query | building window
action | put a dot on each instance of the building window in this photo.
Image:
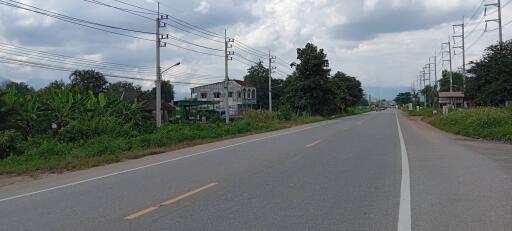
(216, 95)
(254, 94)
(239, 94)
(245, 95)
(204, 95)
(230, 94)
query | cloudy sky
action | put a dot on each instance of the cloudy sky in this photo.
(385, 43)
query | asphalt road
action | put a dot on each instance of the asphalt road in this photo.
(347, 174)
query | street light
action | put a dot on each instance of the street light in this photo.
(177, 64)
(159, 95)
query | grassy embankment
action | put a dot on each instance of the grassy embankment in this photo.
(493, 124)
(54, 155)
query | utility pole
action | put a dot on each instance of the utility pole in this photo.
(498, 20)
(227, 57)
(158, 82)
(271, 59)
(463, 48)
(449, 60)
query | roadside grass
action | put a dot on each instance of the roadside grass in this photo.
(493, 124)
(48, 155)
(484, 123)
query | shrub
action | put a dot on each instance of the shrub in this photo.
(260, 117)
(9, 141)
(78, 131)
(486, 123)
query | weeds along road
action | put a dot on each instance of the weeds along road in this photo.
(354, 173)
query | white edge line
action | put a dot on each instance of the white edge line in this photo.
(158, 163)
(404, 213)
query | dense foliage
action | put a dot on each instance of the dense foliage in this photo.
(404, 98)
(457, 82)
(258, 76)
(89, 121)
(490, 79)
(485, 123)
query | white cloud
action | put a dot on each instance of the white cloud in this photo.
(397, 47)
(204, 7)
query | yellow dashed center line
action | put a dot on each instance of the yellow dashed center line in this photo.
(170, 202)
(313, 144)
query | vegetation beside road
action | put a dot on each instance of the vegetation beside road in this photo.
(88, 121)
(493, 124)
(56, 155)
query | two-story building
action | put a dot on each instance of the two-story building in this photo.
(241, 96)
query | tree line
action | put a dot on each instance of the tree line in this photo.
(310, 89)
(488, 80)
(89, 106)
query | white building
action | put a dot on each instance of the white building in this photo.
(241, 96)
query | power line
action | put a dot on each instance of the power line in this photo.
(65, 17)
(78, 63)
(75, 58)
(132, 12)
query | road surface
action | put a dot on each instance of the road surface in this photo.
(377, 171)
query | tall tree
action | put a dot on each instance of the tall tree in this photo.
(457, 78)
(403, 98)
(307, 89)
(20, 88)
(88, 80)
(490, 79)
(123, 85)
(258, 76)
(347, 90)
(167, 92)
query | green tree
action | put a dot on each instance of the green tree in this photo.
(167, 92)
(457, 78)
(490, 79)
(123, 85)
(347, 90)
(84, 81)
(403, 98)
(20, 88)
(307, 89)
(258, 76)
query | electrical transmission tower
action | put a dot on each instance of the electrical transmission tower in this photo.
(435, 68)
(271, 59)
(228, 43)
(449, 52)
(462, 47)
(498, 20)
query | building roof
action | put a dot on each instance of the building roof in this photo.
(239, 82)
(456, 94)
(244, 83)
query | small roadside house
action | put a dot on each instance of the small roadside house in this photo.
(455, 99)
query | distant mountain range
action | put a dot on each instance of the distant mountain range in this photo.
(387, 93)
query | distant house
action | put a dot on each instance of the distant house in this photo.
(455, 99)
(241, 96)
(131, 95)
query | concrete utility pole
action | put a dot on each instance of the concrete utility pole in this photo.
(463, 48)
(449, 60)
(158, 82)
(498, 20)
(271, 59)
(227, 57)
